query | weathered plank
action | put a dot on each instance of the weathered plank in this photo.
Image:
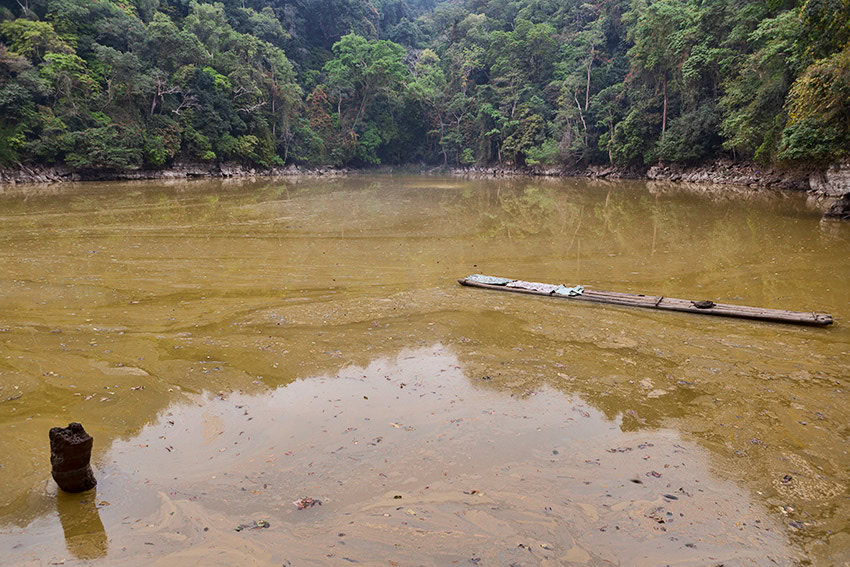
(673, 304)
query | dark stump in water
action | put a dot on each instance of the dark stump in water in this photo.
(70, 456)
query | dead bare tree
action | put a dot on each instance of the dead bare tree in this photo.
(252, 107)
(162, 88)
(186, 101)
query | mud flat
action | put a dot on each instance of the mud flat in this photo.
(411, 462)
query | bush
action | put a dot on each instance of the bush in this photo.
(111, 147)
(819, 111)
(635, 136)
(692, 136)
(367, 146)
(811, 140)
(546, 153)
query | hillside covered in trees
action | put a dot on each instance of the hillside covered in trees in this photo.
(144, 83)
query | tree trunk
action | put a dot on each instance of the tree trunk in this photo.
(583, 123)
(156, 95)
(587, 90)
(359, 112)
(664, 115)
(443, 147)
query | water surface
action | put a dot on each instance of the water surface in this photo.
(122, 304)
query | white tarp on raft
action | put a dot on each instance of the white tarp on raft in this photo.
(533, 286)
(489, 280)
(547, 288)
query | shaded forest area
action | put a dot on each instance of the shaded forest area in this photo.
(115, 84)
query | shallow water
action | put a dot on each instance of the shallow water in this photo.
(130, 306)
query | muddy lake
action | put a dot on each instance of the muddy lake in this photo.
(238, 347)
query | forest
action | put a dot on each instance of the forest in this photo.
(122, 84)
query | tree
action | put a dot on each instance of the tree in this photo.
(754, 98)
(361, 72)
(819, 112)
(20, 87)
(111, 83)
(659, 42)
(428, 88)
(33, 39)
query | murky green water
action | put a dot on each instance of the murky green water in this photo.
(122, 303)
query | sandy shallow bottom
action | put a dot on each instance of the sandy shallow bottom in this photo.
(414, 463)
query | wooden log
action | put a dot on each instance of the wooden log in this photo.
(70, 458)
(672, 304)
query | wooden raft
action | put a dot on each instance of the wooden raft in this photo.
(672, 304)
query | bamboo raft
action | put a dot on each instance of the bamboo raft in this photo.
(655, 302)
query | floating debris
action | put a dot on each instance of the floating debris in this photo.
(306, 502)
(258, 525)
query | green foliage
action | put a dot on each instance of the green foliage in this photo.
(367, 146)
(658, 33)
(220, 82)
(826, 24)
(693, 136)
(527, 133)
(32, 39)
(635, 135)
(155, 152)
(110, 146)
(813, 140)
(547, 153)
(753, 102)
(819, 111)
(366, 79)
(117, 84)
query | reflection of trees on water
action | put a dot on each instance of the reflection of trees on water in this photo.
(512, 209)
(526, 213)
(672, 240)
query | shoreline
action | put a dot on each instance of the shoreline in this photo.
(39, 174)
(829, 182)
(830, 185)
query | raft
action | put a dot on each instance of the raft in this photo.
(649, 301)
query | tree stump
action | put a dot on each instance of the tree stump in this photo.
(70, 456)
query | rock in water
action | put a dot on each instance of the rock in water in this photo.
(70, 456)
(840, 209)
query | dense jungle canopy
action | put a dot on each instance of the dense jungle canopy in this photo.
(144, 83)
